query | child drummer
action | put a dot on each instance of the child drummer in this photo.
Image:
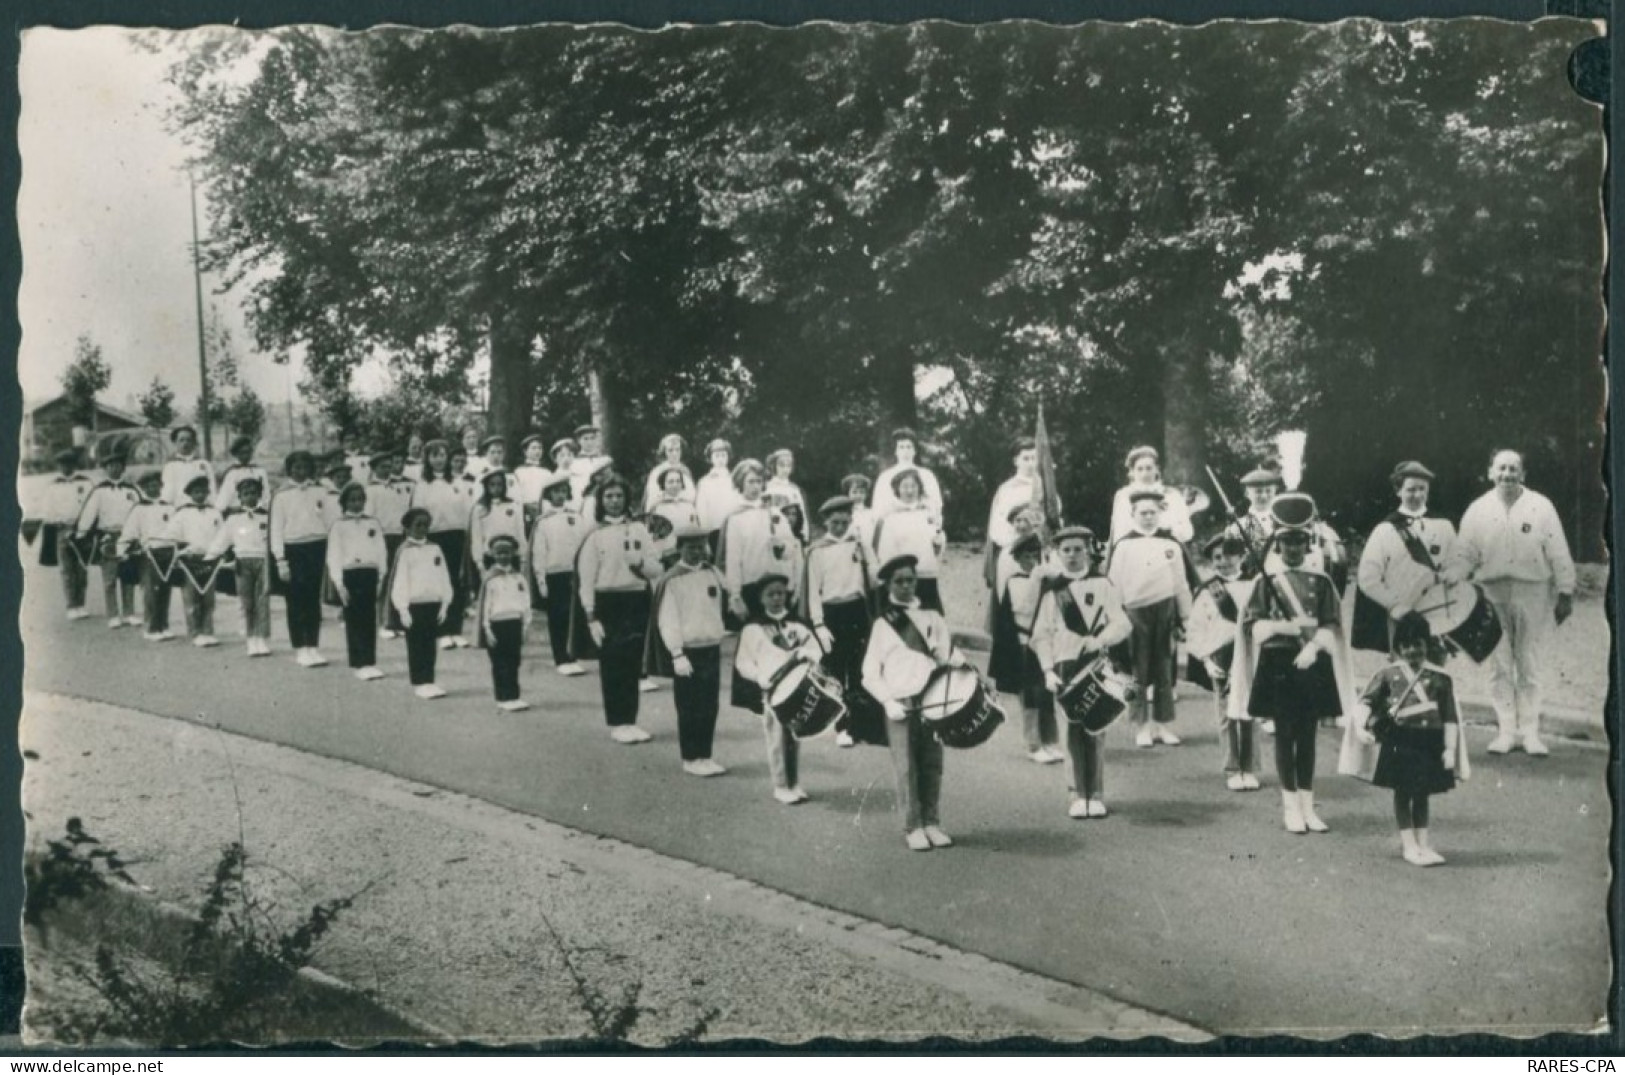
(836, 595)
(146, 535)
(771, 641)
(686, 644)
(192, 528)
(245, 534)
(1079, 618)
(1011, 665)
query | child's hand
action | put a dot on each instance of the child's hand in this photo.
(541, 589)
(1053, 682)
(1449, 760)
(1306, 658)
(406, 619)
(682, 666)
(596, 629)
(344, 596)
(440, 617)
(895, 711)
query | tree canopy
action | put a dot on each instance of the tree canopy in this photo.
(1387, 234)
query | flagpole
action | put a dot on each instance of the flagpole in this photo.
(202, 353)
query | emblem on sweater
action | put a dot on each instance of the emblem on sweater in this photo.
(1526, 528)
(711, 591)
(1168, 553)
(371, 532)
(437, 561)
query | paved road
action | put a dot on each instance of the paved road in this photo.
(1190, 900)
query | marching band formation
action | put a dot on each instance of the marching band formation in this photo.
(845, 631)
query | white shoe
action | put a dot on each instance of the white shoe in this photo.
(917, 840)
(514, 705)
(1292, 812)
(114, 623)
(937, 837)
(133, 621)
(316, 658)
(1249, 781)
(788, 797)
(1306, 807)
(1166, 735)
(648, 686)
(801, 796)
(1097, 808)
(571, 669)
(385, 633)
(844, 739)
(1039, 756)
(166, 635)
(1079, 808)
(1236, 782)
(1145, 738)
(369, 673)
(200, 641)
(460, 642)
(1267, 727)
(430, 691)
(714, 768)
(1503, 743)
(206, 641)
(1534, 747)
(445, 642)
(696, 768)
(301, 657)
(77, 613)
(154, 636)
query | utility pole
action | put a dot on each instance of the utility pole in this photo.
(202, 354)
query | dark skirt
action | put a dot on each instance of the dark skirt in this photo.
(1412, 760)
(744, 693)
(1282, 691)
(1006, 659)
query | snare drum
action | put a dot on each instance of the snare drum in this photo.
(1461, 613)
(806, 700)
(959, 709)
(1097, 696)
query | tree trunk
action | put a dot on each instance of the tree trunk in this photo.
(513, 384)
(895, 387)
(603, 408)
(1185, 393)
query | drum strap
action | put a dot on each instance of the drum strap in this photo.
(1289, 594)
(1222, 599)
(899, 621)
(1413, 542)
(1072, 615)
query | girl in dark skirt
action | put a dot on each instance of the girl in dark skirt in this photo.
(1292, 618)
(1414, 717)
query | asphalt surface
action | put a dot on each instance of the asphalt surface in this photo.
(1189, 900)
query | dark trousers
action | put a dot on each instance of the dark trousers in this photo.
(697, 697)
(1295, 752)
(453, 545)
(420, 642)
(1153, 642)
(154, 590)
(361, 616)
(306, 568)
(561, 588)
(72, 565)
(848, 623)
(388, 617)
(507, 638)
(625, 618)
(1088, 762)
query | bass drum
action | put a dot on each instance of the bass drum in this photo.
(1461, 613)
(959, 709)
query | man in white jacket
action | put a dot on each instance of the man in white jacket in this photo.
(1512, 544)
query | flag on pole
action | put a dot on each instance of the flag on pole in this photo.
(1045, 496)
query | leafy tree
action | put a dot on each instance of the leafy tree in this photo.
(86, 376)
(158, 404)
(245, 413)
